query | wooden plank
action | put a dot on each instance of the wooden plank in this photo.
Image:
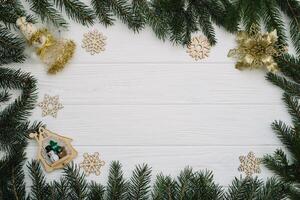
(133, 84)
(167, 124)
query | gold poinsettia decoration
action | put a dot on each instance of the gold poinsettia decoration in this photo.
(257, 50)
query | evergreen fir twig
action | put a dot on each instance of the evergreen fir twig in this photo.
(283, 83)
(78, 186)
(250, 12)
(12, 181)
(273, 20)
(165, 187)
(11, 47)
(139, 186)
(290, 66)
(97, 191)
(292, 9)
(116, 185)
(11, 11)
(123, 10)
(46, 11)
(4, 96)
(103, 12)
(40, 190)
(77, 11)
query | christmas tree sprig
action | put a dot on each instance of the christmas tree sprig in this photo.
(286, 165)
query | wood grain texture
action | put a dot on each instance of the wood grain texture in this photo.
(143, 100)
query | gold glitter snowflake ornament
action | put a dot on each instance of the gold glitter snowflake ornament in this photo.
(92, 163)
(93, 42)
(249, 164)
(199, 48)
(50, 105)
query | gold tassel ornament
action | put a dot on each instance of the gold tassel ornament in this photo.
(257, 50)
(55, 53)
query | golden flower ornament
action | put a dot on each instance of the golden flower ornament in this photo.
(257, 50)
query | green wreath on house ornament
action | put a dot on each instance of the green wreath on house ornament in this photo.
(176, 21)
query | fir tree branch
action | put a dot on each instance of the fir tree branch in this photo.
(140, 10)
(46, 11)
(250, 12)
(241, 189)
(232, 17)
(273, 20)
(11, 11)
(97, 191)
(139, 187)
(77, 11)
(11, 47)
(289, 137)
(289, 66)
(206, 26)
(292, 9)
(4, 96)
(157, 19)
(77, 182)
(293, 108)
(116, 185)
(184, 183)
(103, 12)
(164, 188)
(273, 189)
(12, 185)
(40, 190)
(288, 86)
(279, 164)
(22, 106)
(124, 12)
(60, 189)
(203, 186)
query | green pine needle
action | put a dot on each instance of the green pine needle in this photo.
(97, 191)
(78, 186)
(77, 11)
(139, 186)
(116, 185)
(40, 190)
(11, 47)
(273, 20)
(46, 11)
(103, 12)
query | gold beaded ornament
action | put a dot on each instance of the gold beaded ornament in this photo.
(199, 47)
(249, 164)
(92, 164)
(94, 42)
(50, 105)
(55, 53)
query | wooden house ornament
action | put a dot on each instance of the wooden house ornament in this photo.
(54, 151)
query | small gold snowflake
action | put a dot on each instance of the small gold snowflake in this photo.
(50, 105)
(199, 47)
(93, 42)
(249, 164)
(92, 163)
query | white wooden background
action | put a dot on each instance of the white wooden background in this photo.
(145, 101)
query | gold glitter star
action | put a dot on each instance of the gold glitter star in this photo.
(92, 163)
(249, 164)
(50, 105)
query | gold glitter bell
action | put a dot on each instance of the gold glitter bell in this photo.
(55, 53)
